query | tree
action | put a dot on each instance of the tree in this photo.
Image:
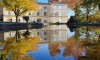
(73, 48)
(95, 17)
(70, 3)
(88, 10)
(20, 7)
(93, 53)
(96, 3)
(54, 49)
(18, 50)
(77, 10)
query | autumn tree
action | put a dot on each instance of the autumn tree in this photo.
(70, 3)
(54, 49)
(73, 48)
(18, 50)
(93, 53)
(20, 7)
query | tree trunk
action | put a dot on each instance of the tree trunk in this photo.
(99, 39)
(16, 36)
(16, 18)
(87, 14)
(99, 7)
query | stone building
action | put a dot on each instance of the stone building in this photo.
(48, 12)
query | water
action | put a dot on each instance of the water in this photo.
(43, 54)
(48, 43)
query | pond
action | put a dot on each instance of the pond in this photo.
(52, 42)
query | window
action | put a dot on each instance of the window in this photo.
(39, 20)
(10, 13)
(10, 34)
(45, 7)
(60, 7)
(45, 39)
(45, 33)
(56, 32)
(45, 21)
(38, 13)
(44, 13)
(56, 14)
(38, 33)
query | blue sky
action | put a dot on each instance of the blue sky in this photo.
(43, 53)
(70, 13)
(43, 1)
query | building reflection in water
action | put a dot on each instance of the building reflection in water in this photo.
(18, 49)
(46, 34)
(56, 39)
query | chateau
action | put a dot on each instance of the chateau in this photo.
(48, 12)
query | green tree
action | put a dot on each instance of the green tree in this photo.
(93, 53)
(97, 3)
(88, 10)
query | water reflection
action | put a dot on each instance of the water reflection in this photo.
(54, 49)
(17, 50)
(50, 44)
(89, 37)
(17, 44)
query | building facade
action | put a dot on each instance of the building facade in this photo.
(48, 12)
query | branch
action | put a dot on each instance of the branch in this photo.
(20, 13)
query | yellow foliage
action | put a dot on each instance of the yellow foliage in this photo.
(93, 53)
(20, 7)
(20, 4)
(18, 56)
(1, 4)
(17, 49)
(27, 44)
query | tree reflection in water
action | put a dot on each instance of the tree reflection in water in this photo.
(71, 48)
(89, 38)
(54, 49)
(18, 50)
(85, 39)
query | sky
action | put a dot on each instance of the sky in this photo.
(43, 53)
(43, 1)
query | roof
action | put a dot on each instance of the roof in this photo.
(43, 3)
(62, 2)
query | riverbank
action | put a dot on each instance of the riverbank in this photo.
(10, 26)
